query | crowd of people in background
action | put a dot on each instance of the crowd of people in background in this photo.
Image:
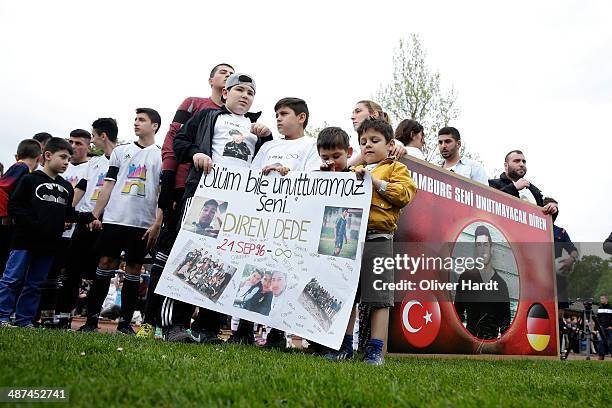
(67, 216)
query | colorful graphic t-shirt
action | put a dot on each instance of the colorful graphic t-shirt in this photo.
(298, 155)
(133, 201)
(96, 171)
(233, 143)
(72, 175)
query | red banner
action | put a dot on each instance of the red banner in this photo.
(450, 310)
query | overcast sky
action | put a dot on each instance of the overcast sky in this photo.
(530, 75)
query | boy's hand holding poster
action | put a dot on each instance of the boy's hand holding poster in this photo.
(281, 251)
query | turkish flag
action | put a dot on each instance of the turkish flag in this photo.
(421, 318)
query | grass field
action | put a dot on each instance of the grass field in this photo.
(327, 246)
(153, 373)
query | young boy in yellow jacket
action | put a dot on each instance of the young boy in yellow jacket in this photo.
(392, 190)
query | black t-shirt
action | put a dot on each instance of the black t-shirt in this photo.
(40, 206)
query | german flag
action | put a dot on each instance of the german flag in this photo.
(538, 327)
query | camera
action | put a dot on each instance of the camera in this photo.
(587, 303)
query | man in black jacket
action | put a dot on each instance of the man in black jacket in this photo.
(486, 312)
(604, 315)
(513, 182)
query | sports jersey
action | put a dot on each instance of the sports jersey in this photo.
(93, 182)
(73, 174)
(8, 182)
(136, 171)
(298, 154)
(232, 142)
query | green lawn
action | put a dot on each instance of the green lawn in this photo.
(153, 373)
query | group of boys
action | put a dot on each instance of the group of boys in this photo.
(133, 197)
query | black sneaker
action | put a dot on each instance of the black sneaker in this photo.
(65, 323)
(205, 337)
(126, 329)
(88, 328)
(241, 339)
(340, 355)
(276, 342)
(317, 349)
(177, 334)
(61, 324)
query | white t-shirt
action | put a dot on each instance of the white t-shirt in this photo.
(354, 143)
(72, 175)
(298, 155)
(527, 195)
(233, 143)
(470, 169)
(133, 201)
(414, 152)
(75, 173)
(96, 171)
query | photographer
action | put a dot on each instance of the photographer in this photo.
(604, 315)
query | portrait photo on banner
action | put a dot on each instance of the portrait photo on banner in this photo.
(255, 290)
(205, 216)
(340, 232)
(260, 290)
(489, 312)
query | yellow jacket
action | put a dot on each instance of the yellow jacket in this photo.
(386, 207)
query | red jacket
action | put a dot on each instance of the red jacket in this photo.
(185, 111)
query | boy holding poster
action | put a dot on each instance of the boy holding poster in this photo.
(227, 136)
(393, 190)
(294, 152)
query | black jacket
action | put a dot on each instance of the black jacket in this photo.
(39, 207)
(503, 183)
(196, 137)
(486, 313)
(604, 315)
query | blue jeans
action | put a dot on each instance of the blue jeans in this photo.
(20, 285)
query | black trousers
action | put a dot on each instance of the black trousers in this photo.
(81, 263)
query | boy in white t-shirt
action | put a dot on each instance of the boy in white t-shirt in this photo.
(225, 136)
(294, 151)
(83, 259)
(131, 220)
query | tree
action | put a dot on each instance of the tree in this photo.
(314, 131)
(415, 93)
(590, 277)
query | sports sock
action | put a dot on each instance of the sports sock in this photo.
(154, 301)
(129, 298)
(97, 293)
(347, 343)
